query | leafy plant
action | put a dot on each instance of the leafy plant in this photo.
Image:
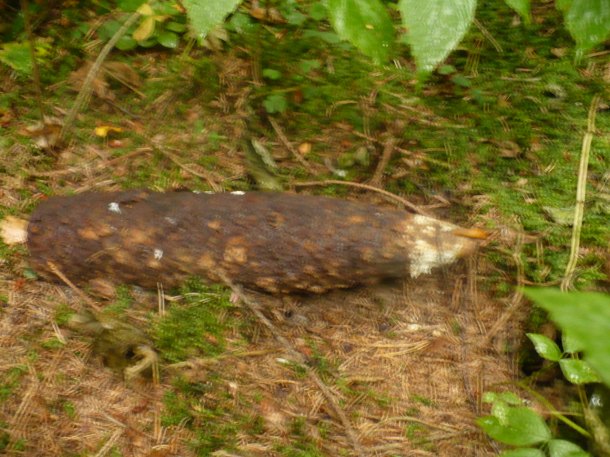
(432, 28)
(514, 424)
(584, 318)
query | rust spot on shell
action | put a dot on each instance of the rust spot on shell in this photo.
(88, 233)
(137, 237)
(207, 261)
(236, 254)
(356, 219)
(235, 250)
(215, 224)
(268, 284)
(310, 270)
(276, 220)
(310, 246)
(367, 254)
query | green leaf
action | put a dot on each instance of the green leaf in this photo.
(522, 7)
(177, 27)
(168, 39)
(318, 11)
(588, 22)
(545, 347)
(270, 73)
(275, 103)
(126, 43)
(435, 27)
(204, 15)
(586, 317)
(563, 448)
(364, 23)
(563, 5)
(570, 344)
(17, 56)
(308, 65)
(578, 371)
(521, 427)
(446, 70)
(129, 5)
(523, 452)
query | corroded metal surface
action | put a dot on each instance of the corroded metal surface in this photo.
(276, 242)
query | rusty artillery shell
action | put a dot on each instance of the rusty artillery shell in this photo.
(276, 242)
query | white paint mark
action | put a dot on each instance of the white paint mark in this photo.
(209, 192)
(425, 256)
(238, 192)
(171, 220)
(114, 207)
(196, 191)
(158, 253)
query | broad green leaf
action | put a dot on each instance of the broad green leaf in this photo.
(177, 27)
(522, 7)
(563, 5)
(570, 344)
(275, 103)
(563, 448)
(204, 15)
(588, 22)
(168, 39)
(578, 371)
(364, 23)
(522, 427)
(270, 73)
(129, 5)
(17, 56)
(317, 11)
(586, 316)
(435, 27)
(523, 452)
(545, 347)
(126, 43)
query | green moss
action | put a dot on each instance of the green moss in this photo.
(11, 381)
(196, 326)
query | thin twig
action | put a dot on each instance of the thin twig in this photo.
(284, 139)
(488, 35)
(254, 307)
(581, 190)
(391, 196)
(85, 92)
(389, 146)
(55, 269)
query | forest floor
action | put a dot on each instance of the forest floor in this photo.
(491, 141)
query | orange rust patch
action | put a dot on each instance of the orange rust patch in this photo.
(235, 250)
(207, 261)
(310, 246)
(367, 254)
(88, 233)
(137, 237)
(310, 270)
(276, 219)
(236, 254)
(356, 219)
(215, 224)
(268, 284)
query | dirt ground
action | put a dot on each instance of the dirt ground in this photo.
(407, 362)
